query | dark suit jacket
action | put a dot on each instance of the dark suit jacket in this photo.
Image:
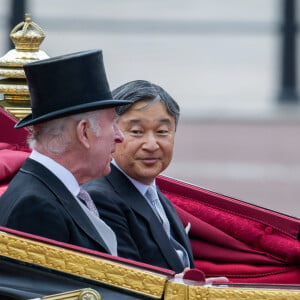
(139, 233)
(37, 202)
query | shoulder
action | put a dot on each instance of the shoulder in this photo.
(98, 186)
(27, 186)
(113, 185)
(110, 196)
(29, 202)
(27, 191)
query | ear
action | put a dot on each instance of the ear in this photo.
(82, 131)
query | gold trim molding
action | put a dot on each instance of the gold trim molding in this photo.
(84, 265)
(181, 291)
(130, 278)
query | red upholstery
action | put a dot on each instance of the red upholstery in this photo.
(10, 135)
(11, 161)
(13, 148)
(234, 239)
(3, 187)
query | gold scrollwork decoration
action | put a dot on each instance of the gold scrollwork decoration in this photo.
(83, 294)
(183, 291)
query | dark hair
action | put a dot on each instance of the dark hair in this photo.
(138, 90)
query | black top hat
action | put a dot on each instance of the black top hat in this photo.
(67, 85)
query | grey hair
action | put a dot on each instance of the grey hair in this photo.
(54, 136)
(138, 90)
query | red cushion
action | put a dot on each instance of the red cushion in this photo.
(8, 133)
(10, 162)
(3, 188)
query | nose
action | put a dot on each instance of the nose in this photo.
(150, 142)
(119, 137)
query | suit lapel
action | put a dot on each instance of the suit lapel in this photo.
(175, 223)
(137, 202)
(64, 197)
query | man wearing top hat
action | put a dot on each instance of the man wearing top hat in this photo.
(73, 134)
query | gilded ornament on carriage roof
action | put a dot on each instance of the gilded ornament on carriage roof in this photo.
(27, 37)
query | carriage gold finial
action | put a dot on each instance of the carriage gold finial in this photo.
(27, 37)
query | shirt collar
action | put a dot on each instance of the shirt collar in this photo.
(142, 188)
(64, 175)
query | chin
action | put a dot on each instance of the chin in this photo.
(154, 173)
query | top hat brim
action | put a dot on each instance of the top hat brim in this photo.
(28, 120)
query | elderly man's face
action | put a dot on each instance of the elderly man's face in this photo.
(103, 145)
(148, 143)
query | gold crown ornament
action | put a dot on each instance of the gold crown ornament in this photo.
(27, 37)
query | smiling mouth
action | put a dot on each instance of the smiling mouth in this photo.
(149, 160)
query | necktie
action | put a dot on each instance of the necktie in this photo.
(152, 196)
(102, 228)
(86, 198)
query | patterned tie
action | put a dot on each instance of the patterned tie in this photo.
(152, 196)
(86, 198)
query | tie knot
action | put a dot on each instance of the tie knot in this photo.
(151, 194)
(84, 195)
